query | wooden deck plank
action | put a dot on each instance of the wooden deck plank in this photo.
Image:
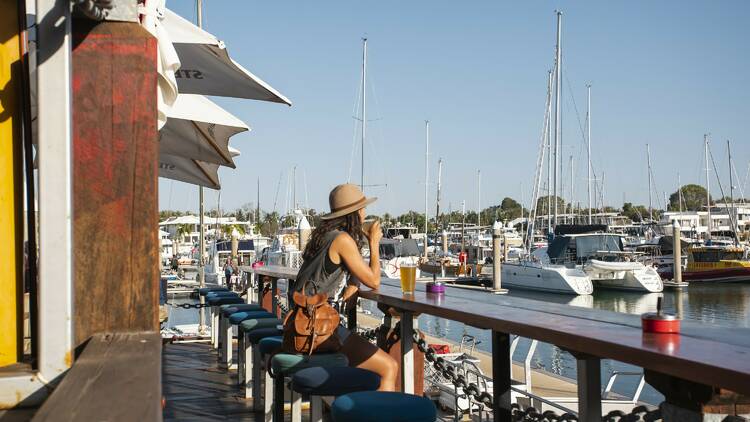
(196, 389)
(117, 377)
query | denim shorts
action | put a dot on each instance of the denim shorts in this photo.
(342, 333)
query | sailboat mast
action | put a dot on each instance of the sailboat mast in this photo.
(588, 146)
(650, 209)
(572, 188)
(364, 113)
(732, 214)
(479, 197)
(708, 186)
(549, 152)
(679, 193)
(439, 186)
(558, 72)
(426, 179)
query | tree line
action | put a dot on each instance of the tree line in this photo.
(691, 198)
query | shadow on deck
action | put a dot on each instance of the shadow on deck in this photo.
(196, 388)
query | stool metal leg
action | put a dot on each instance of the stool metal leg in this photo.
(240, 357)
(316, 409)
(214, 328)
(227, 342)
(267, 397)
(278, 398)
(249, 364)
(220, 341)
(296, 406)
(256, 373)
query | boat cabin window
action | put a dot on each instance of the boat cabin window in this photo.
(715, 255)
(587, 246)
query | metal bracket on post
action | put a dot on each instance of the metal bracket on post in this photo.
(407, 352)
(589, 388)
(501, 375)
(274, 299)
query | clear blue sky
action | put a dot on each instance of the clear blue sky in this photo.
(663, 73)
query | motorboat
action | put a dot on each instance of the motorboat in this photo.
(538, 272)
(602, 258)
(717, 263)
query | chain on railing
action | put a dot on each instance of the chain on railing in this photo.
(448, 371)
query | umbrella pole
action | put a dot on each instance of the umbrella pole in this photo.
(201, 269)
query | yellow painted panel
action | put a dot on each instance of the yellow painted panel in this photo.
(10, 187)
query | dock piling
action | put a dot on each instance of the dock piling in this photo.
(497, 237)
(676, 252)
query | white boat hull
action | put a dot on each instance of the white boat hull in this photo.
(641, 278)
(546, 278)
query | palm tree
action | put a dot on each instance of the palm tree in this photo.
(179, 235)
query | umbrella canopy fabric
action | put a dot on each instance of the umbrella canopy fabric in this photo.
(206, 67)
(191, 171)
(199, 129)
(167, 63)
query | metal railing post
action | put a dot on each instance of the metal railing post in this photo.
(589, 388)
(274, 299)
(501, 375)
(407, 352)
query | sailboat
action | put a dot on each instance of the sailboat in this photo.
(537, 271)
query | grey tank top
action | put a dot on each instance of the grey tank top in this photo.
(314, 272)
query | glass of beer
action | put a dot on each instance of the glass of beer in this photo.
(408, 278)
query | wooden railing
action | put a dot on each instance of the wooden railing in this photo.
(117, 377)
(709, 356)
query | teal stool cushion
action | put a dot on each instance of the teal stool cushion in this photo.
(377, 406)
(238, 317)
(249, 325)
(205, 290)
(334, 381)
(221, 294)
(287, 364)
(227, 310)
(256, 336)
(268, 345)
(218, 300)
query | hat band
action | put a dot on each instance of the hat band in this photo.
(353, 204)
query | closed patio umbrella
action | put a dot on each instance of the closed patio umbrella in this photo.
(199, 129)
(191, 171)
(206, 67)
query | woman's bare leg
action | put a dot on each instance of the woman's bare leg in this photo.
(363, 354)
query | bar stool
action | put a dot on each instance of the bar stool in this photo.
(377, 406)
(284, 365)
(254, 362)
(226, 329)
(215, 300)
(319, 382)
(248, 363)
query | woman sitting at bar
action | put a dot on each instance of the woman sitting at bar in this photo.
(334, 251)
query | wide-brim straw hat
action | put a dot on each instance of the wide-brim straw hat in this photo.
(345, 199)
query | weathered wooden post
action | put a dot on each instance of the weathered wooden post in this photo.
(497, 267)
(235, 244)
(303, 233)
(676, 252)
(115, 198)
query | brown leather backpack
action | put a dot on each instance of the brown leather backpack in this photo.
(311, 325)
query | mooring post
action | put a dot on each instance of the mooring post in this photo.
(497, 267)
(676, 252)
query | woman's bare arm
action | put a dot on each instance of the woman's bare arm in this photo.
(345, 250)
